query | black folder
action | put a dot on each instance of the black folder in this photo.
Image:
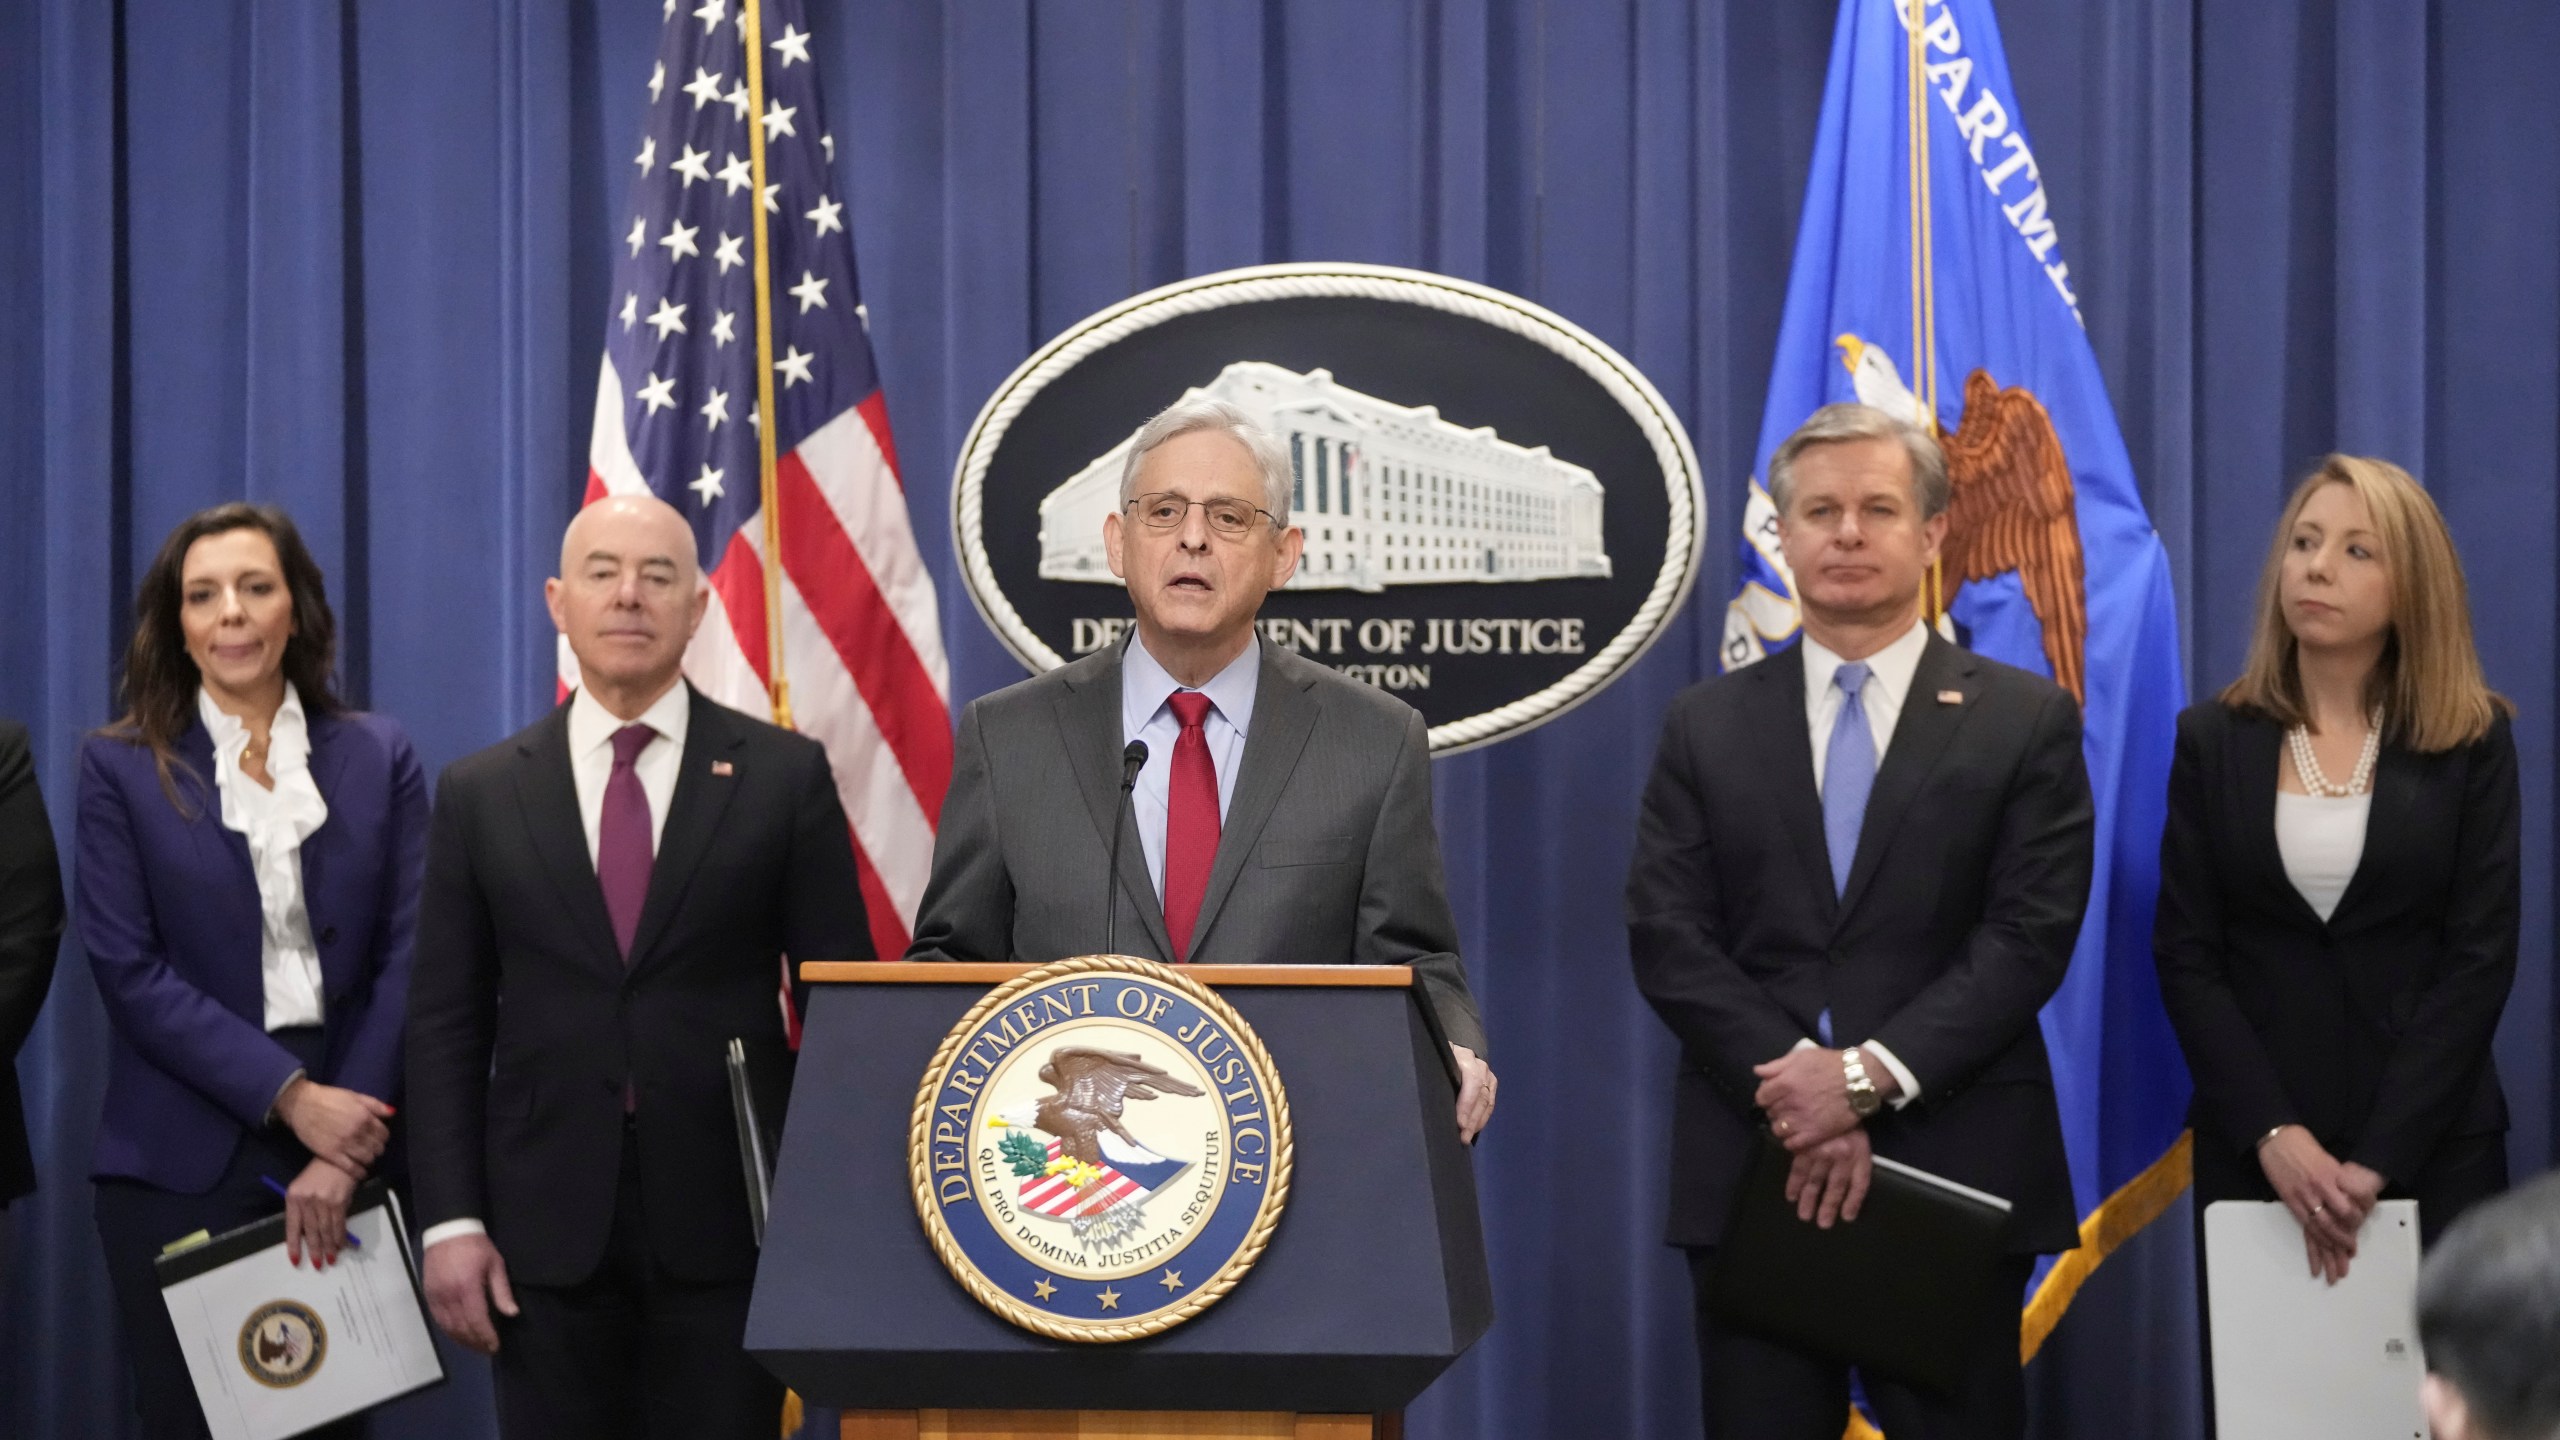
(1878, 1291)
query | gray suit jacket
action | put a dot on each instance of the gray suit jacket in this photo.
(1327, 855)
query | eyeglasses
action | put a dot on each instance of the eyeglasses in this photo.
(1165, 510)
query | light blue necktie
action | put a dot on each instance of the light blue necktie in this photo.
(1848, 774)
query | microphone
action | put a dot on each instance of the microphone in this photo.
(1132, 760)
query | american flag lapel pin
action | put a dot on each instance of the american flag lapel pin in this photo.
(723, 767)
(1950, 697)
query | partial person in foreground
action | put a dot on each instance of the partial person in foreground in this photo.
(2340, 881)
(247, 890)
(1282, 814)
(2489, 1320)
(610, 896)
(30, 934)
(1859, 873)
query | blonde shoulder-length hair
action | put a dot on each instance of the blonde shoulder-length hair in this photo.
(2428, 684)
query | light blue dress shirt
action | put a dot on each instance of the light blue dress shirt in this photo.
(1145, 714)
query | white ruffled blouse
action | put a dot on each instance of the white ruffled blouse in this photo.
(275, 822)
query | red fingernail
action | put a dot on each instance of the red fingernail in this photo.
(390, 1109)
(296, 1259)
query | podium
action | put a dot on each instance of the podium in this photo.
(1373, 1284)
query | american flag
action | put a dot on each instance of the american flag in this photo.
(676, 416)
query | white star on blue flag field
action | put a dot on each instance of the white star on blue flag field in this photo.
(682, 330)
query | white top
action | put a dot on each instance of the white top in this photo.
(1146, 713)
(1888, 681)
(1880, 698)
(275, 823)
(591, 728)
(2322, 840)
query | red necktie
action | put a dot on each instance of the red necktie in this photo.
(624, 853)
(1190, 822)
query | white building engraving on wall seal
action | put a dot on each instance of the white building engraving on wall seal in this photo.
(1388, 495)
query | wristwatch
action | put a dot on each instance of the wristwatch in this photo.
(1863, 1099)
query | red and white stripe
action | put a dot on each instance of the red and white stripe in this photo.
(1060, 1199)
(862, 639)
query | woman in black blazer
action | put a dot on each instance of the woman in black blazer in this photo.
(2339, 879)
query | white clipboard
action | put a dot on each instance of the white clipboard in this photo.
(277, 1349)
(2296, 1358)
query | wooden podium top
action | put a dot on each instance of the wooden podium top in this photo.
(950, 972)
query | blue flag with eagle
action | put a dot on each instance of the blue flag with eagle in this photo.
(1929, 281)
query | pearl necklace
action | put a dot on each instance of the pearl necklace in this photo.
(2307, 764)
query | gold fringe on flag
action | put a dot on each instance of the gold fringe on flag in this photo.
(2141, 1201)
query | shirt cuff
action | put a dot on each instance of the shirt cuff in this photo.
(451, 1229)
(1902, 1073)
(298, 1074)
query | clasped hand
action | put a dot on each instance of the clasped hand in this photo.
(345, 1131)
(2328, 1198)
(345, 1127)
(1806, 1097)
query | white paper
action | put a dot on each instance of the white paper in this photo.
(373, 1337)
(2296, 1358)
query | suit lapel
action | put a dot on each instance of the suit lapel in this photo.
(1785, 743)
(1088, 711)
(319, 851)
(204, 793)
(693, 817)
(547, 792)
(2391, 815)
(1284, 715)
(2258, 754)
(1920, 736)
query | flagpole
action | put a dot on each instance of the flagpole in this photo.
(777, 685)
(1924, 288)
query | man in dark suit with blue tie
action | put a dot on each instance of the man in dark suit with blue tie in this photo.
(610, 896)
(1859, 873)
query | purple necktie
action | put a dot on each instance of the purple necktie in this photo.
(624, 853)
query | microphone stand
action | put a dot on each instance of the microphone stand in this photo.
(1132, 760)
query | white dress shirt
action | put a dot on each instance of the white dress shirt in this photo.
(591, 731)
(2322, 840)
(1146, 713)
(1888, 685)
(275, 822)
(1889, 674)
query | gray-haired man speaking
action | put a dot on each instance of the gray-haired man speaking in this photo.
(1283, 812)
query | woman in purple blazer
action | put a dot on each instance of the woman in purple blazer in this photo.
(249, 853)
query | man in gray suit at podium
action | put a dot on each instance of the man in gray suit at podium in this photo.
(1281, 811)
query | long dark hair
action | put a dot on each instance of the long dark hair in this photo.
(161, 678)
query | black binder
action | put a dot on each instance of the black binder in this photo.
(1876, 1292)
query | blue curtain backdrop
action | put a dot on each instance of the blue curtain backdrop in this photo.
(352, 258)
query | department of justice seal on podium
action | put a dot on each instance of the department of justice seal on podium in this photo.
(1100, 1149)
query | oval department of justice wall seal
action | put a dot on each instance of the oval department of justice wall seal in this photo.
(282, 1344)
(1501, 513)
(1100, 1149)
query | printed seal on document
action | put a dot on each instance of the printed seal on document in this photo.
(282, 1344)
